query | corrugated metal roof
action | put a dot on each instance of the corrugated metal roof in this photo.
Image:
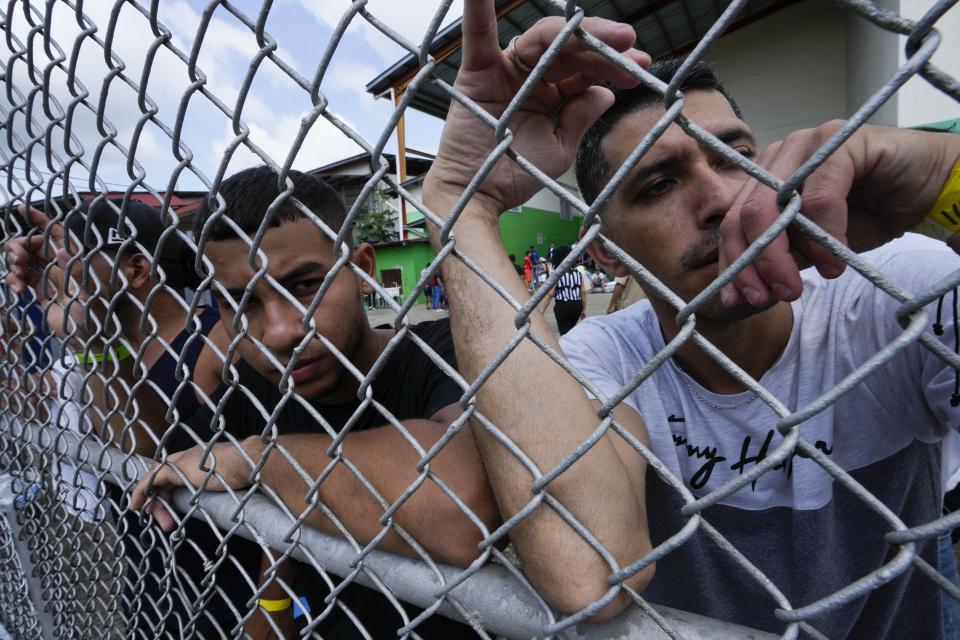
(664, 28)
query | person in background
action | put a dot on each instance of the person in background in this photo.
(568, 296)
(528, 269)
(91, 232)
(436, 291)
(597, 281)
(539, 273)
(428, 294)
(513, 261)
(534, 255)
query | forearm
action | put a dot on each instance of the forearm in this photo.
(546, 413)
(548, 299)
(388, 461)
(276, 624)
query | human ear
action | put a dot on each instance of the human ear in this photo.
(365, 257)
(136, 269)
(604, 259)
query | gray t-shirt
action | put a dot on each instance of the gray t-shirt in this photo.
(805, 532)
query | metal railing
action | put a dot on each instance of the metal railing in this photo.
(79, 562)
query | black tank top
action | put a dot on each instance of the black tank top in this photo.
(192, 558)
(163, 374)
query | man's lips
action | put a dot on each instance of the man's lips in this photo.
(708, 258)
(306, 370)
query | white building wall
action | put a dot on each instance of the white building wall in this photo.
(546, 200)
(787, 71)
(872, 58)
(919, 103)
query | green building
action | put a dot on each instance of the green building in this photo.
(403, 251)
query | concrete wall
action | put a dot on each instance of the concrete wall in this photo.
(812, 62)
(787, 71)
(547, 201)
(872, 57)
(918, 102)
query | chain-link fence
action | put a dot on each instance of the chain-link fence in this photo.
(334, 488)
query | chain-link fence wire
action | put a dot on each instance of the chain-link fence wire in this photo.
(105, 570)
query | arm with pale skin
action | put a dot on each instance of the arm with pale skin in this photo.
(532, 400)
(584, 292)
(383, 456)
(875, 187)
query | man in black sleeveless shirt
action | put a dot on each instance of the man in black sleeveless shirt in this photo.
(171, 339)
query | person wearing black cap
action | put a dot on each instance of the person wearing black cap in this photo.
(110, 269)
(92, 241)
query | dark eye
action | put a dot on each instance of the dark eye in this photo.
(250, 304)
(305, 288)
(722, 162)
(657, 188)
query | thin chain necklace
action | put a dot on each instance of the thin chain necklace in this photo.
(713, 405)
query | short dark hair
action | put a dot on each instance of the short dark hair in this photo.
(592, 167)
(559, 254)
(248, 194)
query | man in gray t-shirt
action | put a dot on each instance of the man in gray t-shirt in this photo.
(888, 426)
(685, 212)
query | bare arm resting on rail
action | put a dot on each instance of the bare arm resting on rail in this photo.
(530, 398)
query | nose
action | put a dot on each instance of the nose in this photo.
(283, 328)
(717, 193)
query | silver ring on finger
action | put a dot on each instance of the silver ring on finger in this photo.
(515, 57)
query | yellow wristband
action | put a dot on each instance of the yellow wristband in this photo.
(276, 605)
(943, 219)
(116, 355)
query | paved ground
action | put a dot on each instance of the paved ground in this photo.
(596, 305)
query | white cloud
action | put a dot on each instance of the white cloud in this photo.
(226, 40)
(323, 144)
(409, 19)
(350, 76)
(227, 50)
(273, 110)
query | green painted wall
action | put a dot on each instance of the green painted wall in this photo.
(410, 258)
(520, 230)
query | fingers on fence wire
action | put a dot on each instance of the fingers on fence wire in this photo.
(481, 47)
(72, 292)
(221, 468)
(774, 273)
(554, 112)
(851, 185)
(28, 256)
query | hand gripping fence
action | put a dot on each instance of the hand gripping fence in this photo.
(78, 562)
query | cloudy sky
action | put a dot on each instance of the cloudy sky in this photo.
(273, 110)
